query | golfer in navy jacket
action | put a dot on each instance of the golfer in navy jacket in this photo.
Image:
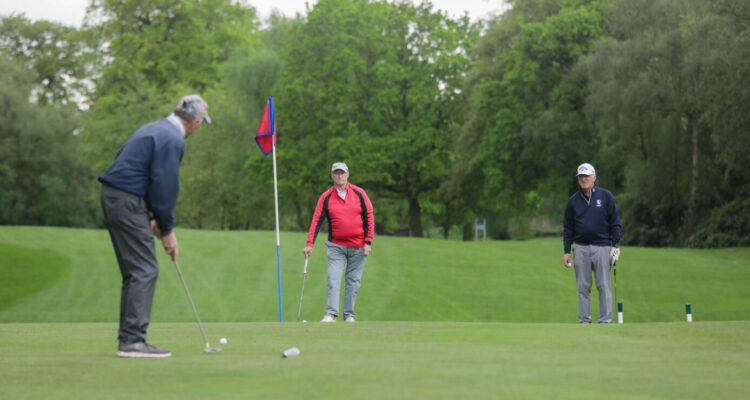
(139, 193)
(593, 224)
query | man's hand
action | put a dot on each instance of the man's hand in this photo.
(307, 251)
(155, 228)
(567, 260)
(367, 250)
(169, 241)
(614, 254)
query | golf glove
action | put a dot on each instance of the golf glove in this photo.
(614, 253)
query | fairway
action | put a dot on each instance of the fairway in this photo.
(70, 275)
(383, 360)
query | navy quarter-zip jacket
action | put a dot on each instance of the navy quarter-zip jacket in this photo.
(591, 221)
(148, 165)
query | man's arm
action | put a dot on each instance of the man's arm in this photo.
(367, 249)
(568, 233)
(568, 227)
(317, 220)
(165, 184)
(615, 227)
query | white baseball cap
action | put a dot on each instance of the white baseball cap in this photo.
(586, 169)
(339, 165)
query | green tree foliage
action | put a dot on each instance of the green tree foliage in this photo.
(227, 183)
(525, 131)
(163, 42)
(373, 84)
(155, 52)
(60, 56)
(441, 124)
(669, 96)
(40, 175)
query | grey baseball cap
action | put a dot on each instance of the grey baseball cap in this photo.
(586, 169)
(339, 165)
(195, 106)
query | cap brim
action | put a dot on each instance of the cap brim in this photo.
(207, 119)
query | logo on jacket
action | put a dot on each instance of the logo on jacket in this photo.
(598, 203)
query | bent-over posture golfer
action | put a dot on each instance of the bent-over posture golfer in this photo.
(350, 231)
(139, 193)
(593, 224)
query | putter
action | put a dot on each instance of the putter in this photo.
(208, 349)
(304, 276)
(614, 268)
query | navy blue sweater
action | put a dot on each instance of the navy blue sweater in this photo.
(148, 165)
(591, 221)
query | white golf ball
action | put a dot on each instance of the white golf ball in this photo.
(569, 264)
(304, 321)
(223, 340)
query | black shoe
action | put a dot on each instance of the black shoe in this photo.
(141, 349)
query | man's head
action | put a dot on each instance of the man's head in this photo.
(340, 174)
(194, 111)
(586, 176)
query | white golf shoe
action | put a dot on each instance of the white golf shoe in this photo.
(328, 318)
(350, 319)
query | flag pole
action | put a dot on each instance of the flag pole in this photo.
(278, 240)
(268, 128)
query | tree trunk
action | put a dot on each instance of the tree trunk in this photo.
(415, 214)
(300, 221)
(694, 115)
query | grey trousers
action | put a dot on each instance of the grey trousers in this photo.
(588, 258)
(340, 258)
(133, 240)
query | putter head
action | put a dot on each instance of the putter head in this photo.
(213, 350)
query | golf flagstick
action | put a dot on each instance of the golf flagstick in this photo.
(304, 276)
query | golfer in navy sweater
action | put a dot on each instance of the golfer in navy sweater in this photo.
(593, 224)
(139, 193)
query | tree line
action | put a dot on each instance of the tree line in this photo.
(443, 120)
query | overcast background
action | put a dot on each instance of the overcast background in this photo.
(71, 12)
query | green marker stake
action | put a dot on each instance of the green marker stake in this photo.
(689, 312)
(619, 312)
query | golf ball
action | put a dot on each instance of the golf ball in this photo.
(304, 321)
(223, 340)
(569, 264)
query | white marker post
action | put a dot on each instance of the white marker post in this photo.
(619, 312)
(689, 312)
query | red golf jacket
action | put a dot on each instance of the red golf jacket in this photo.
(350, 222)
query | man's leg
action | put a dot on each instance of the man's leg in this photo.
(133, 241)
(336, 265)
(582, 265)
(354, 269)
(600, 259)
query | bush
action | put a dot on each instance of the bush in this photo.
(727, 226)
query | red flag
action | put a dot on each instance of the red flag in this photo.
(266, 136)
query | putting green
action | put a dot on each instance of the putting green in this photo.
(383, 360)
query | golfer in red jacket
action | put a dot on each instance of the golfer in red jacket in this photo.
(350, 230)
